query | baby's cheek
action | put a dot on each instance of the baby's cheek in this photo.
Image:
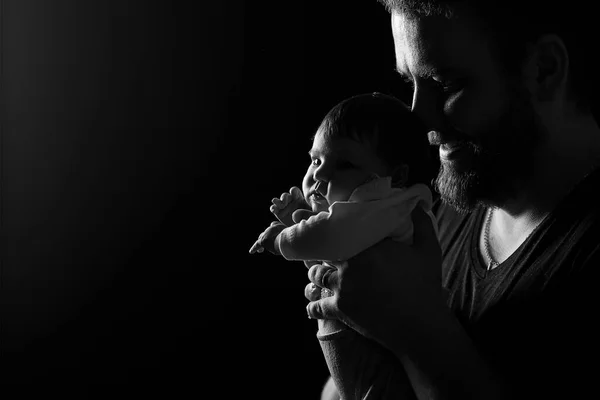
(340, 192)
(317, 208)
(307, 182)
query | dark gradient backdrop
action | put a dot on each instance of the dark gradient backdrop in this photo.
(142, 142)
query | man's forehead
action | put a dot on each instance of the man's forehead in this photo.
(431, 44)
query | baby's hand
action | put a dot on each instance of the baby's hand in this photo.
(284, 207)
(266, 240)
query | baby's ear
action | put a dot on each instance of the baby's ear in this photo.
(400, 175)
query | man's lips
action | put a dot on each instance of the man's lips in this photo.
(450, 146)
(447, 141)
(452, 150)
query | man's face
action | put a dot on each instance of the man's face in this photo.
(483, 122)
(337, 167)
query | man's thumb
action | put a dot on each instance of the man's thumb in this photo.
(300, 215)
(322, 309)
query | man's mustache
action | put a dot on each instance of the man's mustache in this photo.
(437, 138)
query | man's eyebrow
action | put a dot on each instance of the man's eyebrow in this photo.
(314, 153)
(427, 73)
(409, 78)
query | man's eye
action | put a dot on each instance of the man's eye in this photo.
(316, 161)
(449, 86)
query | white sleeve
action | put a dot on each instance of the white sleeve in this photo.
(339, 234)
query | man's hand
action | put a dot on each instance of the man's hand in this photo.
(284, 207)
(384, 289)
(266, 240)
(392, 293)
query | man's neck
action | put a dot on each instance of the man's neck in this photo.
(559, 166)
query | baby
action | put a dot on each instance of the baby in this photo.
(370, 167)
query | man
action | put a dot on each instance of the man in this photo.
(506, 94)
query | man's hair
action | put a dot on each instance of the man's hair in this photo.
(512, 25)
(387, 125)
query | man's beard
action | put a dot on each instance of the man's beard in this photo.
(497, 162)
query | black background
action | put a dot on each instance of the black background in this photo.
(142, 142)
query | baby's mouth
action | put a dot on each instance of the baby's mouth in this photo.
(317, 200)
(316, 197)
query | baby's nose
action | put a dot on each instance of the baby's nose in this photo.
(321, 174)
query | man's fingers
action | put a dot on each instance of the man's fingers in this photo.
(312, 292)
(324, 276)
(322, 309)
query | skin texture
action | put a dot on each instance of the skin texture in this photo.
(338, 166)
(525, 144)
(461, 92)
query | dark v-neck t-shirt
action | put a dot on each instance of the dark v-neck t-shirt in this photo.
(534, 317)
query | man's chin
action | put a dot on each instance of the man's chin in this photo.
(458, 189)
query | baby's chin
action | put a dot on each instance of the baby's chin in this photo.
(319, 206)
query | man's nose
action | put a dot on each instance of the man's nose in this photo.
(427, 105)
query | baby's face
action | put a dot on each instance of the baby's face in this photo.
(338, 166)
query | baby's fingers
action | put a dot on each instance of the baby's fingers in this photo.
(277, 202)
(296, 193)
(256, 248)
(286, 198)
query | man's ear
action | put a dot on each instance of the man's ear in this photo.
(400, 175)
(546, 68)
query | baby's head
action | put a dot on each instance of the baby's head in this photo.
(364, 136)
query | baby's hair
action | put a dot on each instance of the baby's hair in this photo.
(389, 127)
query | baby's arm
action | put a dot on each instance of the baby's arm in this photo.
(266, 239)
(282, 208)
(338, 234)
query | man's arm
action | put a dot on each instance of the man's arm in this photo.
(393, 294)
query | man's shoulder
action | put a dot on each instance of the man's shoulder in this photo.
(581, 207)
